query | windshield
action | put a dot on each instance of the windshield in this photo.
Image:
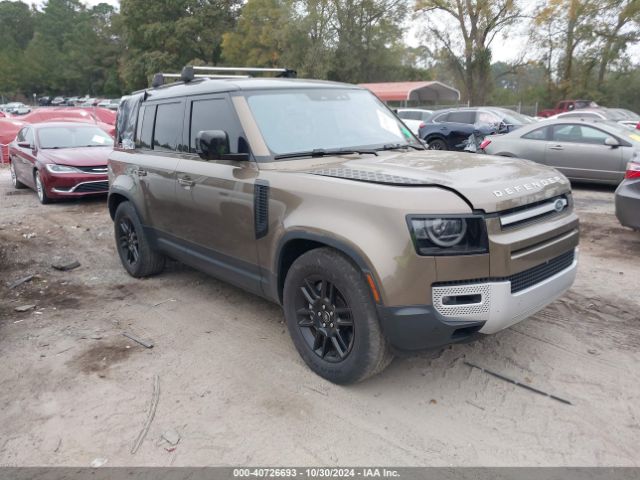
(72, 137)
(325, 119)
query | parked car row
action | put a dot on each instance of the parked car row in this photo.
(14, 108)
(587, 143)
(86, 101)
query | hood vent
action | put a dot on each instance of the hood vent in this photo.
(367, 176)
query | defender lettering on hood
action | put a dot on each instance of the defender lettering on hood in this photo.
(532, 186)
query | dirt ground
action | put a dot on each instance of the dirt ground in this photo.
(74, 390)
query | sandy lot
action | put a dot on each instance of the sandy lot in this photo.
(74, 389)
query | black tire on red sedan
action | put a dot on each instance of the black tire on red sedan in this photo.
(41, 188)
(14, 177)
(332, 318)
(136, 253)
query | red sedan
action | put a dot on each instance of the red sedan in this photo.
(60, 160)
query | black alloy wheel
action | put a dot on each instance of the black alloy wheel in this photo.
(324, 319)
(128, 241)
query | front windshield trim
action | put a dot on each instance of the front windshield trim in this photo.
(410, 140)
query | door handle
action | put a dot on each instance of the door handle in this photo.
(140, 172)
(556, 147)
(186, 182)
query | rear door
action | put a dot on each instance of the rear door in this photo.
(460, 125)
(215, 197)
(579, 152)
(153, 165)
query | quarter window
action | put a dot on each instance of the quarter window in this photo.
(538, 134)
(146, 130)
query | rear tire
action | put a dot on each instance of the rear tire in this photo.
(332, 318)
(138, 258)
(41, 188)
(14, 177)
(437, 144)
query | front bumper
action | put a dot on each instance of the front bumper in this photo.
(459, 311)
(71, 185)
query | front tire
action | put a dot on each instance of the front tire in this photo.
(138, 258)
(332, 318)
(41, 188)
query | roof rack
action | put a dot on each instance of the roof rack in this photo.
(189, 73)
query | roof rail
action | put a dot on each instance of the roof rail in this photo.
(189, 73)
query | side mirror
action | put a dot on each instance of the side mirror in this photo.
(214, 145)
(611, 142)
(25, 145)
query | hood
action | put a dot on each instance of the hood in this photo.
(77, 157)
(487, 182)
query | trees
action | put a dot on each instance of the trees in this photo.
(162, 36)
(464, 30)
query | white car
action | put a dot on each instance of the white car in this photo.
(612, 114)
(414, 117)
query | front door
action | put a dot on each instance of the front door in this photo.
(579, 152)
(215, 198)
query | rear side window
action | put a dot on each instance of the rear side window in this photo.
(538, 134)
(462, 117)
(215, 114)
(168, 130)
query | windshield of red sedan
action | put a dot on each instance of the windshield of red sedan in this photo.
(73, 137)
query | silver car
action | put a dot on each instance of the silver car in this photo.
(587, 150)
(628, 196)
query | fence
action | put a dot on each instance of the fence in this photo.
(531, 110)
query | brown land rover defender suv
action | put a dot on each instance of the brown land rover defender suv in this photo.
(316, 196)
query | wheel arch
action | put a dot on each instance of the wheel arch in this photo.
(294, 244)
(115, 199)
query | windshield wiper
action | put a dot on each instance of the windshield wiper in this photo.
(321, 152)
(399, 146)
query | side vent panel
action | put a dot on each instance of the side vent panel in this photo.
(261, 209)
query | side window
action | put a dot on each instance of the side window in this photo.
(215, 114)
(441, 118)
(410, 115)
(538, 134)
(146, 130)
(168, 130)
(21, 135)
(579, 134)
(467, 116)
(487, 117)
(593, 135)
(28, 136)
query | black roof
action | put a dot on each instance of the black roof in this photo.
(203, 86)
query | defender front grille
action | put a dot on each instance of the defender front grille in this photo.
(533, 212)
(527, 278)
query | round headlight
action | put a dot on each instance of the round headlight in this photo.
(446, 232)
